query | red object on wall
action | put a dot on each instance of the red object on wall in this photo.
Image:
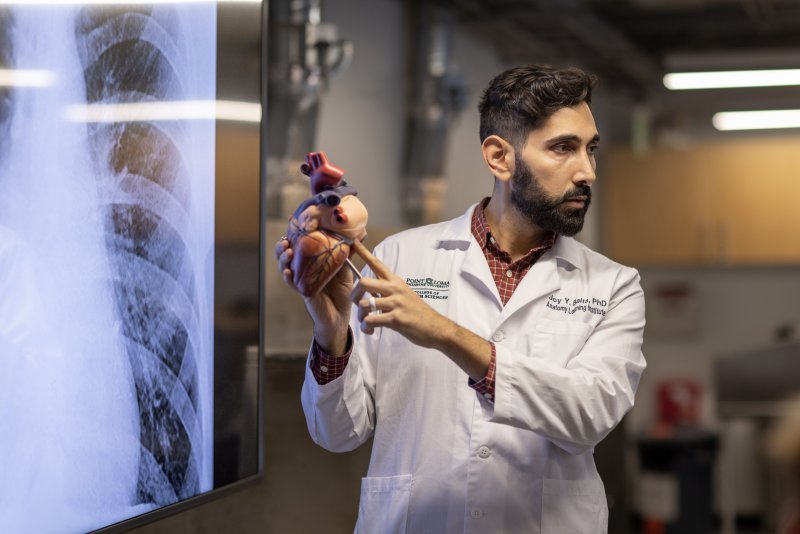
(679, 402)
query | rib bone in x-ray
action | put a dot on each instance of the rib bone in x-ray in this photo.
(106, 264)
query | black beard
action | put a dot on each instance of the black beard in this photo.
(548, 213)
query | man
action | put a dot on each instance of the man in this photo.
(489, 354)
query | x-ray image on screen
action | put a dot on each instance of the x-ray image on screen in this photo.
(106, 263)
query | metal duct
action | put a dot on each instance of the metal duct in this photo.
(436, 96)
(304, 54)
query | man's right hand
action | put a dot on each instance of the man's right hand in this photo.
(329, 309)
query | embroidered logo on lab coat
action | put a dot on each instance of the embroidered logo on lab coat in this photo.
(428, 288)
(571, 306)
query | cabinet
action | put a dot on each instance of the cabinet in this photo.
(714, 202)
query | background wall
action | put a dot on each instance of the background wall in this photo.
(734, 310)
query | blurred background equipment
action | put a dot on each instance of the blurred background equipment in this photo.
(675, 489)
(436, 96)
(752, 389)
(305, 53)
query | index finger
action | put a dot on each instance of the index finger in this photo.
(377, 266)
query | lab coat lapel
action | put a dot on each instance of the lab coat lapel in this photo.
(474, 267)
(541, 280)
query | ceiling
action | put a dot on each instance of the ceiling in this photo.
(628, 43)
(631, 43)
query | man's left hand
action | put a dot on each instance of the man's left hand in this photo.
(401, 309)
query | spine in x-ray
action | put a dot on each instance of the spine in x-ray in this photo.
(145, 191)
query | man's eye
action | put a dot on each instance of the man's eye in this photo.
(562, 148)
(593, 149)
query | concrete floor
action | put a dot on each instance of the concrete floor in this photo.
(305, 489)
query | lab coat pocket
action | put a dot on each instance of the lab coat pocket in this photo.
(574, 507)
(559, 341)
(384, 505)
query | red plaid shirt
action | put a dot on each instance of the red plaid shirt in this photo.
(507, 275)
(327, 368)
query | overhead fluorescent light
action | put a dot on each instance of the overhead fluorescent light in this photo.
(731, 79)
(165, 111)
(228, 110)
(26, 78)
(757, 120)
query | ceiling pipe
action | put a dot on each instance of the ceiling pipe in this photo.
(436, 95)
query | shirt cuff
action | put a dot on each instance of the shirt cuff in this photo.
(485, 386)
(327, 368)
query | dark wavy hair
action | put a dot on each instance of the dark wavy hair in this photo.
(518, 100)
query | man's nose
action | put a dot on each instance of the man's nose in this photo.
(586, 173)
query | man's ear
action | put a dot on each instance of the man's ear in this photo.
(499, 157)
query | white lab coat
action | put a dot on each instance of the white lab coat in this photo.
(446, 460)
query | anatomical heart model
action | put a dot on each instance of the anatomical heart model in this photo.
(324, 226)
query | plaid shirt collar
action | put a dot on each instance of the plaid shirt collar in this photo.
(483, 235)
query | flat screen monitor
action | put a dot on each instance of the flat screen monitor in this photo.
(129, 301)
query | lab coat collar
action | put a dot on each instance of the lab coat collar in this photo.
(543, 278)
(458, 235)
(458, 229)
(459, 232)
(568, 250)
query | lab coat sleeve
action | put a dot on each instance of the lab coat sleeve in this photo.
(341, 414)
(577, 405)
